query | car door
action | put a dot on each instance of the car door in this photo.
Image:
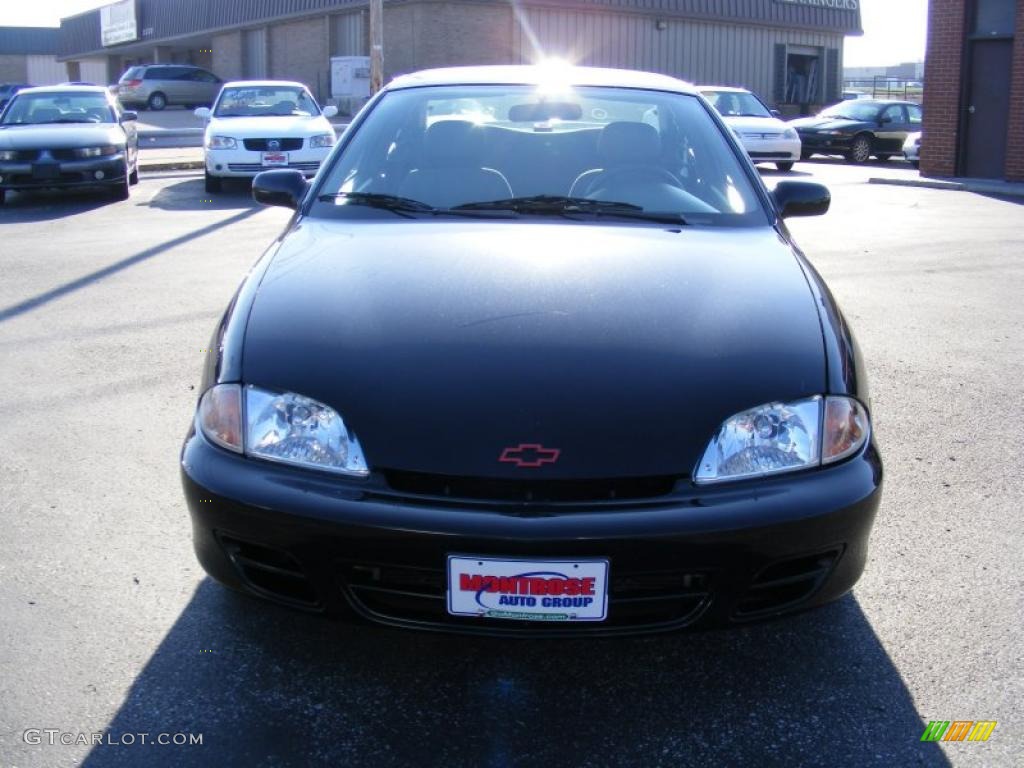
(893, 129)
(176, 84)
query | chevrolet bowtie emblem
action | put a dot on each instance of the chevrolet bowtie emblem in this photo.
(529, 455)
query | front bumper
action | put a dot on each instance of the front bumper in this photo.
(696, 557)
(825, 145)
(244, 164)
(65, 173)
(771, 150)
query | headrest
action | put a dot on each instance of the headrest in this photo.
(623, 143)
(453, 143)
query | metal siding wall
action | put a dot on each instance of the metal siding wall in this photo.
(350, 34)
(702, 53)
(46, 70)
(254, 53)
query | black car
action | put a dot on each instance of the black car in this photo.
(859, 128)
(535, 355)
(7, 91)
(68, 136)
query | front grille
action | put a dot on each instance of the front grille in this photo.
(759, 135)
(64, 154)
(26, 156)
(785, 584)
(260, 145)
(416, 597)
(529, 491)
(257, 167)
(271, 572)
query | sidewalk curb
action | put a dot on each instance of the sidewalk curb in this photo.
(170, 165)
(982, 187)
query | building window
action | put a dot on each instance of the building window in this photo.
(994, 17)
(803, 78)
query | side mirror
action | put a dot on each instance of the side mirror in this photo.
(801, 198)
(282, 187)
(775, 113)
(203, 113)
(329, 112)
(128, 115)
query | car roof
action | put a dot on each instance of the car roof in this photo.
(882, 102)
(263, 84)
(721, 88)
(538, 74)
(165, 64)
(66, 89)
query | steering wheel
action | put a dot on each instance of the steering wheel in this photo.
(637, 171)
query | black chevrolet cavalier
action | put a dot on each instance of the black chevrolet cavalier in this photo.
(535, 355)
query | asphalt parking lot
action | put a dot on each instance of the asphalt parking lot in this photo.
(109, 625)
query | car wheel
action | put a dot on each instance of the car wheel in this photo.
(133, 177)
(786, 167)
(213, 184)
(123, 190)
(157, 102)
(3, 196)
(882, 158)
(860, 150)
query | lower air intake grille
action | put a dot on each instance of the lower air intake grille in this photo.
(273, 573)
(785, 584)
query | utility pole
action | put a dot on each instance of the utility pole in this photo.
(376, 45)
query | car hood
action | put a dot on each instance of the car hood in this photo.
(756, 124)
(262, 127)
(60, 136)
(814, 124)
(442, 343)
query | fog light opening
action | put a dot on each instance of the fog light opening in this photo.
(99, 175)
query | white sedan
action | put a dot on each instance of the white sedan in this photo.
(765, 137)
(912, 149)
(256, 125)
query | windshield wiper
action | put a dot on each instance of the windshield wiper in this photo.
(563, 206)
(405, 206)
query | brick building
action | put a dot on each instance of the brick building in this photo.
(788, 51)
(974, 90)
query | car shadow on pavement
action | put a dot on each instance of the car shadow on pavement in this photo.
(191, 195)
(267, 686)
(23, 207)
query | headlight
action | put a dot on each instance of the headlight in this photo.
(8, 155)
(790, 133)
(832, 133)
(297, 430)
(221, 142)
(782, 437)
(321, 140)
(95, 151)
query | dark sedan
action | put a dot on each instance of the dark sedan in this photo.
(7, 91)
(67, 136)
(520, 365)
(859, 129)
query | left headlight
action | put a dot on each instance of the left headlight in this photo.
(221, 142)
(96, 151)
(783, 437)
(321, 140)
(298, 430)
(790, 133)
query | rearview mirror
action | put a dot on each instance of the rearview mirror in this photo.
(330, 111)
(775, 113)
(203, 113)
(282, 187)
(544, 111)
(128, 115)
(801, 198)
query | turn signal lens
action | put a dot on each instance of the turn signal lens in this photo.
(846, 428)
(220, 416)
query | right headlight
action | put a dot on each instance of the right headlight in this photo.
(783, 437)
(8, 155)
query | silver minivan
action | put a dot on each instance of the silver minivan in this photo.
(158, 85)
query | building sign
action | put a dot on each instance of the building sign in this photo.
(840, 5)
(118, 23)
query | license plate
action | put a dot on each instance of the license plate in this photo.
(528, 590)
(45, 171)
(275, 158)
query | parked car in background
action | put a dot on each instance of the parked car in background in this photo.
(912, 149)
(261, 124)
(859, 129)
(7, 90)
(157, 86)
(541, 374)
(765, 137)
(68, 136)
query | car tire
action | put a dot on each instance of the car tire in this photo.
(915, 163)
(157, 102)
(133, 177)
(860, 150)
(213, 184)
(882, 158)
(784, 167)
(806, 155)
(123, 189)
(3, 196)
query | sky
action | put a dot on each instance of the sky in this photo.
(894, 30)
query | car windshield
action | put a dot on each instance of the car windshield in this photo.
(583, 152)
(736, 104)
(45, 108)
(851, 110)
(264, 101)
